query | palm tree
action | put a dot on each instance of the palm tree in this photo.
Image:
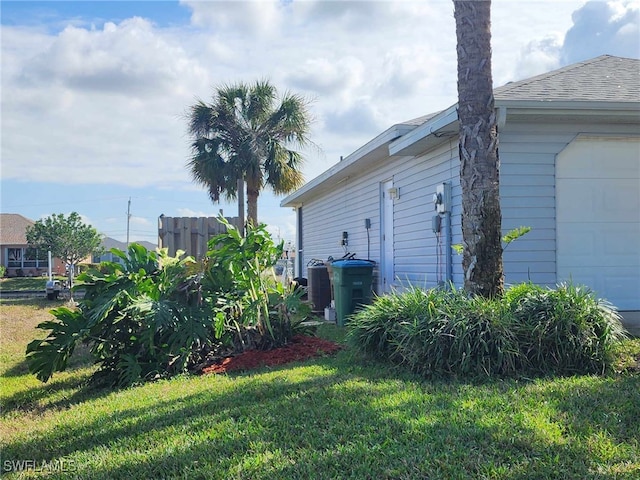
(245, 137)
(479, 162)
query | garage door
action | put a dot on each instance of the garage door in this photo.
(598, 217)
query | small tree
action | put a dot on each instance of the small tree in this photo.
(68, 239)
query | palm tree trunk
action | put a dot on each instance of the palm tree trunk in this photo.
(253, 191)
(241, 220)
(479, 162)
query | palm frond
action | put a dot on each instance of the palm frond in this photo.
(246, 134)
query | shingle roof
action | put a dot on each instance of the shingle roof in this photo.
(108, 243)
(420, 120)
(13, 228)
(601, 79)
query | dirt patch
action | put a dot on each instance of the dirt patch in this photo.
(301, 348)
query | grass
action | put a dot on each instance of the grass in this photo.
(332, 417)
(25, 283)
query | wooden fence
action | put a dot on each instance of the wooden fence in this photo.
(189, 234)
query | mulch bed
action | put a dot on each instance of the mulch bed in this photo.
(301, 348)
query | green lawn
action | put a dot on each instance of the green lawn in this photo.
(25, 283)
(332, 417)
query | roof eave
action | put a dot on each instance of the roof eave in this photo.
(413, 142)
(568, 105)
(340, 170)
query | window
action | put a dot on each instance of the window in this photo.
(30, 260)
(14, 257)
(27, 258)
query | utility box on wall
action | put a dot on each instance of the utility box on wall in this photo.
(190, 234)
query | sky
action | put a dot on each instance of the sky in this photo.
(94, 95)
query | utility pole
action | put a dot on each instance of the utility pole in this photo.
(128, 220)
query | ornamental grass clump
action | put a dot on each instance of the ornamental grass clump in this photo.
(481, 341)
(376, 329)
(564, 330)
(531, 330)
(436, 332)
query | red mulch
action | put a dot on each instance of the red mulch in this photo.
(301, 348)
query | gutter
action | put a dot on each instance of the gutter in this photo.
(340, 171)
(430, 127)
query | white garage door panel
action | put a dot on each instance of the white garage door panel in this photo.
(589, 247)
(598, 217)
(595, 158)
(621, 289)
(593, 199)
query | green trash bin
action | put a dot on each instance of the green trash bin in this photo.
(352, 286)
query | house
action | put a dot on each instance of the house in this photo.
(570, 169)
(15, 254)
(108, 243)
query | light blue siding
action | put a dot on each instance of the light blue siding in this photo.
(527, 187)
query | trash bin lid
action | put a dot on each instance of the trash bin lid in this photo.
(352, 263)
(316, 267)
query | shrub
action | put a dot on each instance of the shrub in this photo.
(3, 271)
(251, 308)
(563, 330)
(155, 315)
(438, 331)
(531, 330)
(136, 316)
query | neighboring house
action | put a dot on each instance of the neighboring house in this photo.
(108, 243)
(16, 255)
(570, 169)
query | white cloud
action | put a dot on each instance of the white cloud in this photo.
(603, 28)
(359, 118)
(140, 221)
(596, 28)
(253, 18)
(328, 76)
(128, 59)
(187, 212)
(539, 56)
(105, 105)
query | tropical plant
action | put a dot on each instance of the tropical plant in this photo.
(508, 238)
(478, 145)
(244, 135)
(139, 317)
(154, 315)
(68, 238)
(252, 310)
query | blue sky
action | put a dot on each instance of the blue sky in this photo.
(94, 93)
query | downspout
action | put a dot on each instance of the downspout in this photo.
(299, 245)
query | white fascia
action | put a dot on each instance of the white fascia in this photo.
(402, 145)
(341, 170)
